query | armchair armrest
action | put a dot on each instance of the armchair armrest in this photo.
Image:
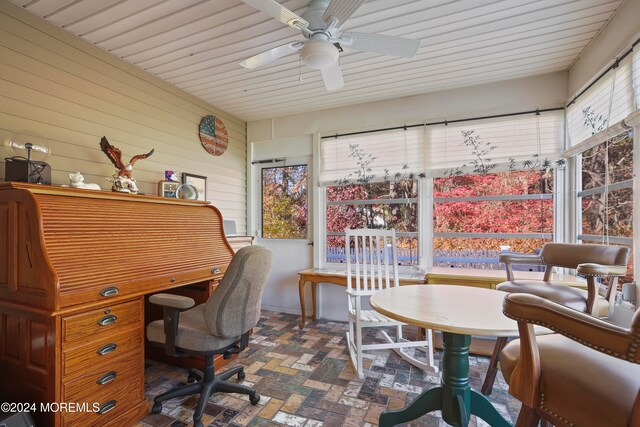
(581, 327)
(529, 309)
(521, 259)
(591, 271)
(599, 270)
(508, 259)
(172, 305)
(175, 301)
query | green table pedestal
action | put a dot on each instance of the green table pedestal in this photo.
(454, 397)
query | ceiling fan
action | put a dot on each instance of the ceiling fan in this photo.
(321, 25)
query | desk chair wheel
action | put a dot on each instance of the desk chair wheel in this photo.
(241, 375)
(157, 408)
(254, 399)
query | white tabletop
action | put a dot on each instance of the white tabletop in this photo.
(458, 309)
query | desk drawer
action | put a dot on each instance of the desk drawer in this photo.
(112, 404)
(101, 353)
(97, 323)
(85, 388)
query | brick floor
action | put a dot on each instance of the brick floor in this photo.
(305, 379)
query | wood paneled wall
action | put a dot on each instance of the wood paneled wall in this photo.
(73, 93)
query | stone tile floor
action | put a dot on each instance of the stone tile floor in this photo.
(305, 380)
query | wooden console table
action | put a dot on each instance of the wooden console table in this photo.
(491, 278)
(338, 277)
(450, 276)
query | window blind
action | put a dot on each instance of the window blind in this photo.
(609, 101)
(506, 143)
(378, 155)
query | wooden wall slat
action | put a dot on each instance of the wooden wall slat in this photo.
(72, 93)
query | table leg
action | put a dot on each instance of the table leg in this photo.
(454, 397)
(314, 286)
(301, 291)
(482, 408)
(456, 392)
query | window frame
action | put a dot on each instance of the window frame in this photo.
(419, 234)
(632, 183)
(259, 218)
(559, 182)
(580, 193)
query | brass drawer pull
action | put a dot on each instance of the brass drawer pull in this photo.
(110, 291)
(107, 406)
(107, 348)
(108, 320)
(107, 378)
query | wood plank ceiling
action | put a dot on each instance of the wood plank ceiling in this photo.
(196, 45)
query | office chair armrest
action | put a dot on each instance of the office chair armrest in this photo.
(577, 326)
(172, 305)
(175, 301)
(600, 270)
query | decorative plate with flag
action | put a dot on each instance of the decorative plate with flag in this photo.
(213, 135)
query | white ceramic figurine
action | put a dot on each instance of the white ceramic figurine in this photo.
(77, 181)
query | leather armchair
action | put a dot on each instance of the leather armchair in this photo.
(588, 374)
(591, 261)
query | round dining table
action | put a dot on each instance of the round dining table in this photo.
(459, 312)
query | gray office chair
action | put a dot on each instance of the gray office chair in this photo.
(219, 326)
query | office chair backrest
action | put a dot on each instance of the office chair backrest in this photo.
(234, 307)
(570, 255)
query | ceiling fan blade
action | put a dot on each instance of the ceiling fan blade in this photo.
(271, 55)
(378, 43)
(332, 77)
(279, 12)
(341, 10)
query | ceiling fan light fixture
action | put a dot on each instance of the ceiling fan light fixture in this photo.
(319, 54)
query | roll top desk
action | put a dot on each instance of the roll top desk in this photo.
(75, 266)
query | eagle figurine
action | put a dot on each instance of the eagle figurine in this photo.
(122, 179)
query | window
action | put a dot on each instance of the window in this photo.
(606, 196)
(493, 186)
(477, 216)
(382, 205)
(372, 181)
(284, 202)
(600, 138)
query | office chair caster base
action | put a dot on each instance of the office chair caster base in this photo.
(254, 399)
(241, 375)
(156, 408)
(195, 375)
(198, 423)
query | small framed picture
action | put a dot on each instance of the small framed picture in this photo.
(199, 182)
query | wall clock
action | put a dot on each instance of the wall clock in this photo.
(213, 135)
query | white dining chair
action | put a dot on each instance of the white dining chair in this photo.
(372, 265)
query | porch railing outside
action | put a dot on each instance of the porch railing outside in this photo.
(486, 259)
